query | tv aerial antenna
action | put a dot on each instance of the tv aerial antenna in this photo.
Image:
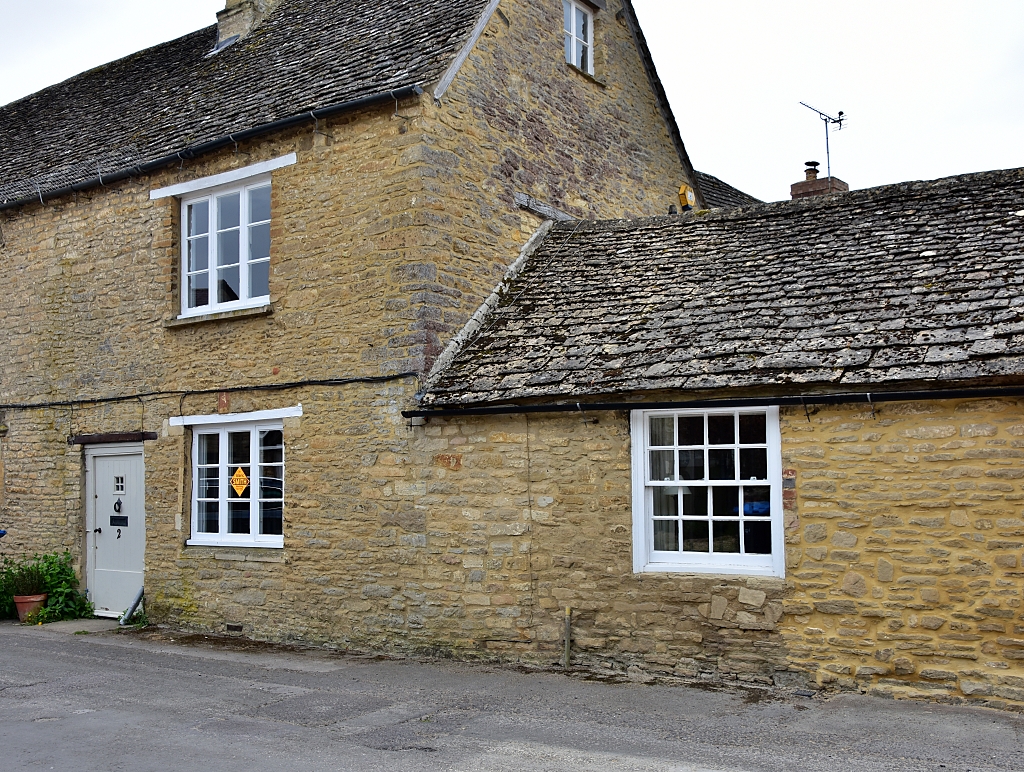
(829, 122)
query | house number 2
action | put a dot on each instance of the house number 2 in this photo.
(118, 533)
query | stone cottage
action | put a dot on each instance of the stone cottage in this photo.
(780, 443)
(229, 260)
(255, 360)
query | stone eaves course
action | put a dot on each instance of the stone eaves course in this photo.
(917, 283)
(306, 55)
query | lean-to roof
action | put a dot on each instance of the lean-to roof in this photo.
(721, 195)
(919, 283)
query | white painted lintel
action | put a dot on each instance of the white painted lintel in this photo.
(224, 178)
(236, 418)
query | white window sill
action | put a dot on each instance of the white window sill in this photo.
(274, 545)
(722, 569)
(263, 308)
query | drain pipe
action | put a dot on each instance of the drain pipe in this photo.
(568, 637)
(123, 621)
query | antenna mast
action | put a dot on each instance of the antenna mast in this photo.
(829, 121)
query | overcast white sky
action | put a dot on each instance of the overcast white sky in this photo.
(931, 87)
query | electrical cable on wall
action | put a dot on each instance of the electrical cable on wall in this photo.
(185, 393)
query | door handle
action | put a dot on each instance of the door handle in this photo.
(98, 530)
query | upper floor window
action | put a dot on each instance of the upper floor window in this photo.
(226, 248)
(579, 36)
(708, 491)
(225, 237)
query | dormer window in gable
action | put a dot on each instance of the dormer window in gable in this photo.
(579, 35)
(225, 239)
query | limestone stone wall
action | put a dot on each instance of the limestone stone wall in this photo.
(519, 119)
(905, 552)
(526, 516)
(595, 147)
(350, 548)
(93, 280)
(388, 232)
(471, 536)
(92, 290)
(41, 504)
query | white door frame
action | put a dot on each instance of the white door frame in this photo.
(91, 453)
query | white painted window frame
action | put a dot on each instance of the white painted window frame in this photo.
(232, 177)
(211, 195)
(645, 560)
(194, 191)
(224, 538)
(576, 9)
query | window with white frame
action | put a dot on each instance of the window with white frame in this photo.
(225, 237)
(579, 35)
(238, 485)
(707, 491)
(226, 248)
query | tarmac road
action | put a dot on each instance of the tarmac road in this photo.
(107, 701)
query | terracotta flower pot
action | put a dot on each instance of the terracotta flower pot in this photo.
(27, 604)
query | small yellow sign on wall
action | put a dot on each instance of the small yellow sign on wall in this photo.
(239, 481)
(687, 197)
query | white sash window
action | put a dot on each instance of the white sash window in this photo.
(238, 485)
(708, 491)
(226, 249)
(225, 238)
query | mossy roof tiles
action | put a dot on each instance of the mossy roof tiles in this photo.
(306, 55)
(721, 195)
(913, 283)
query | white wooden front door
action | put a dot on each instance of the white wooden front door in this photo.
(116, 525)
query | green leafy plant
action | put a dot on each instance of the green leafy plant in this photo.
(52, 574)
(139, 618)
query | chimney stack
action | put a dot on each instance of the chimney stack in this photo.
(812, 186)
(240, 17)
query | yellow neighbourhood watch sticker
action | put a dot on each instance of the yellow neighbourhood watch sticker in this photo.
(239, 481)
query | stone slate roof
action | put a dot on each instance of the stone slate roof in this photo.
(919, 283)
(719, 195)
(307, 54)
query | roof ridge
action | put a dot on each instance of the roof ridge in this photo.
(308, 55)
(105, 65)
(878, 193)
